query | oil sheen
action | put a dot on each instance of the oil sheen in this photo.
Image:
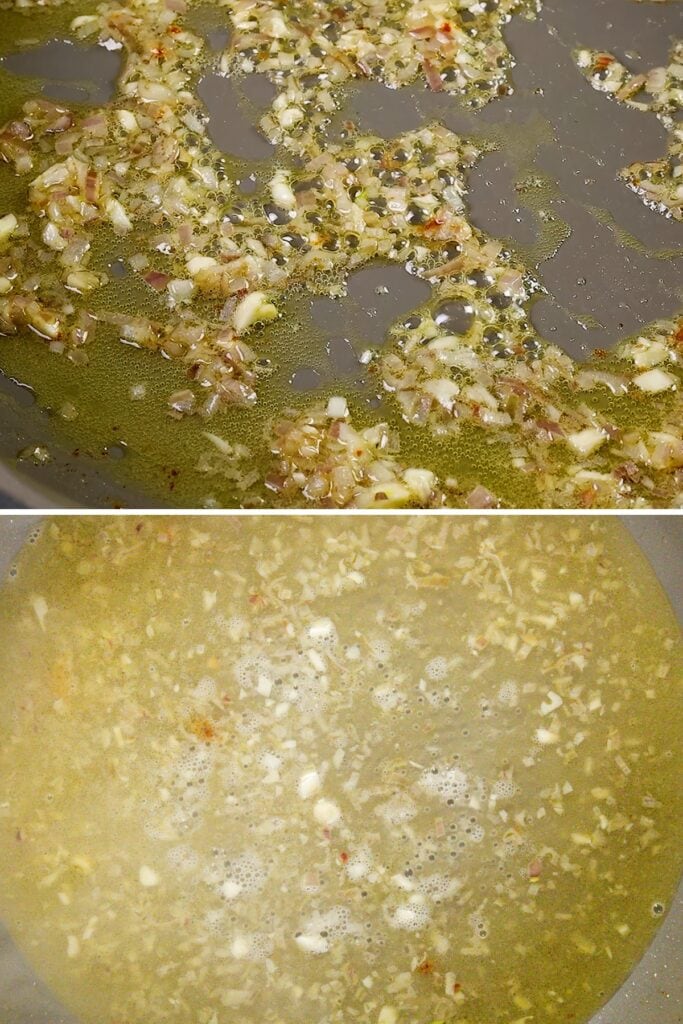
(315, 772)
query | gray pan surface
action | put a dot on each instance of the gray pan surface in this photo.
(600, 289)
(653, 994)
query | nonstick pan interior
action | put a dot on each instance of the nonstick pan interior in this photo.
(618, 270)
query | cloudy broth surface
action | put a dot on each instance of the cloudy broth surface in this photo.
(276, 771)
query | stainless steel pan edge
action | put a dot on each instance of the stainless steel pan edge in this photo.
(653, 994)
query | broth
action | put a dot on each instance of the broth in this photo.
(334, 770)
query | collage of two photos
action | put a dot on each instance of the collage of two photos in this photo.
(341, 546)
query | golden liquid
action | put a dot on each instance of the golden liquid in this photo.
(341, 769)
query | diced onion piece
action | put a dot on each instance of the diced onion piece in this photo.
(240, 948)
(547, 737)
(181, 290)
(8, 225)
(309, 784)
(321, 629)
(647, 352)
(53, 238)
(128, 121)
(654, 381)
(553, 702)
(118, 217)
(281, 191)
(254, 308)
(157, 280)
(85, 21)
(82, 281)
(337, 408)
(388, 494)
(148, 877)
(480, 395)
(312, 943)
(587, 441)
(326, 812)
(40, 608)
(422, 482)
(198, 263)
(443, 390)
(290, 116)
(481, 497)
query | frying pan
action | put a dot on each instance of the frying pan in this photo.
(602, 289)
(654, 992)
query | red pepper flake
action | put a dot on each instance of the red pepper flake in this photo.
(426, 967)
(433, 224)
(603, 61)
(202, 728)
(446, 27)
(344, 857)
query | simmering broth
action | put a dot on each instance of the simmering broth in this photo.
(386, 770)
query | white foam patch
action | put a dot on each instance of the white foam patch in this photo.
(322, 634)
(234, 625)
(359, 865)
(252, 946)
(380, 648)
(445, 783)
(194, 765)
(206, 689)
(479, 924)
(214, 921)
(183, 858)
(504, 789)
(182, 791)
(410, 916)
(437, 886)
(270, 762)
(332, 924)
(508, 695)
(437, 669)
(399, 809)
(388, 697)
(307, 690)
(441, 698)
(235, 876)
(250, 668)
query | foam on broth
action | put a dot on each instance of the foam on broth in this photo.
(334, 770)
